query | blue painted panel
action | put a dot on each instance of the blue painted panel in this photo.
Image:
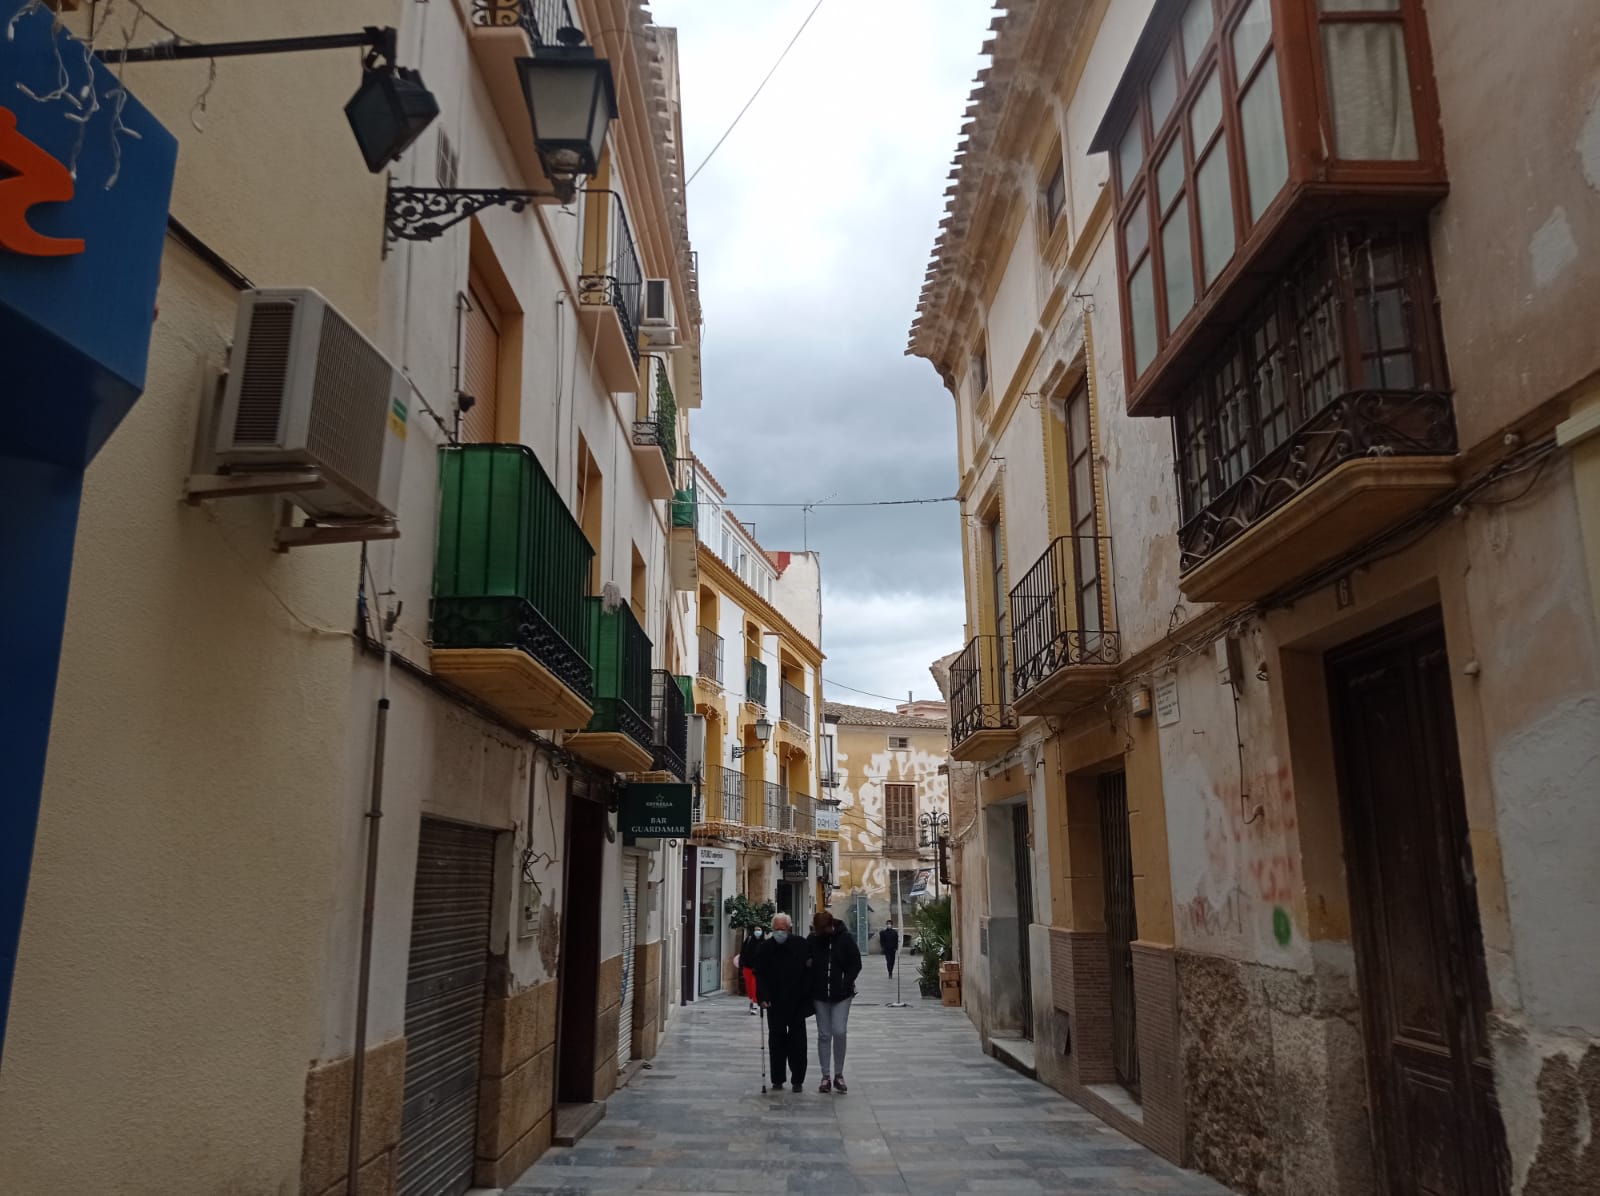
(75, 330)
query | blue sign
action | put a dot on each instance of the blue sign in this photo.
(85, 178)
(74, 326)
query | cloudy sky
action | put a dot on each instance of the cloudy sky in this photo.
(813, 223)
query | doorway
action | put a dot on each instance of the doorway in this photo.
(686, 902)
(1122, 925)
(1024, 878)
(580, 947)
(446, 976)
(710, 930)
(1414, 910)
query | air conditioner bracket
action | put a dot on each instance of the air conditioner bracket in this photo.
(307, 534)
(200, 486)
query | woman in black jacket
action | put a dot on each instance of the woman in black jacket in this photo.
(835, 964)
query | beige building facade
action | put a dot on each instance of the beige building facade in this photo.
(196, 978)
(1273, 429)
(893, 803)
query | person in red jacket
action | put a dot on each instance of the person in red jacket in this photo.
(748, 954)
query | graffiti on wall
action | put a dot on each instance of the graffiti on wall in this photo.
(1250, 867)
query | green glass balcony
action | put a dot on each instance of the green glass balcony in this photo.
(619, 736)
(509, 625)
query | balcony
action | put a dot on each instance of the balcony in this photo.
(620, 736)
(1065, 644)
(803, 815)
(1322, 422)
(982, 722)
(610, 289)
(655, 443)
(1238, 131)
(669, 722)
(509, 625)
(710, 656)
(499, 32)
(900, 843)
(794, 706)
(755, 682)
(776, 811)
(721, 796)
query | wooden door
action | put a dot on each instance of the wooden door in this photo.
(1024, 879)
(1413, 898)
(1122, 925)
(579, 971)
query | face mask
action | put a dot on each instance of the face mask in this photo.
(758, 934)
(780, 936)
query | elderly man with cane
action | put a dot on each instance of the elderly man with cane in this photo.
(785, 993)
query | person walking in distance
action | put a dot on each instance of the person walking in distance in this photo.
(889, 943)
(745, 961)
(835, 964)
(784, 991)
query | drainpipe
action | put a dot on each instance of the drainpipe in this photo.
(358, 1070)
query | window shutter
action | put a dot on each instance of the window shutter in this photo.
(480, 365)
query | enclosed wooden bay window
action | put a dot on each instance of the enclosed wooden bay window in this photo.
(1238, 127)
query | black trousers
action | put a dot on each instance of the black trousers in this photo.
(889, 956)
(787, 1041)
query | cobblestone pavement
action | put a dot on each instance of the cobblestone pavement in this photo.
(927, 1112)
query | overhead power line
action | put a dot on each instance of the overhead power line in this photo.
(755, 93)
(812, 506)
(864, 692)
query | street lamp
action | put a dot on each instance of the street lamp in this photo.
(763, 730)
(571, 101)
(388, 112)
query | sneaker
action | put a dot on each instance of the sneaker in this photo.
(753, 1011)
(777, 1085)
(799, 1088)
(826, 1085)
(838, 1084)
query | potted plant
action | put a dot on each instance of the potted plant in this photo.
(746, 915)
(932, 919)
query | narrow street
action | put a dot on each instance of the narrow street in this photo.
(927, 1112)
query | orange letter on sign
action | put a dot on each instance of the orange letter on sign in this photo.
(39, 179)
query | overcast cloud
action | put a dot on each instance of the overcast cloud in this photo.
(813, 223)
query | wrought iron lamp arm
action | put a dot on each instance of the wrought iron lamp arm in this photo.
(423, 213)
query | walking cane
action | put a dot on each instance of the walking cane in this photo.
(762, 1025)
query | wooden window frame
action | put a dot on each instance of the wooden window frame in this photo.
(1313, 174)
(1052, 203)
(895, 792)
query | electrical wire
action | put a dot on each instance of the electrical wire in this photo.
(754, 94)
(812, 506)
(864, 692)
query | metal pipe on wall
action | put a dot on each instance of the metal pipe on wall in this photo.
(358, 1060)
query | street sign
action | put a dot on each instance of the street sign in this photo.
(656, 811)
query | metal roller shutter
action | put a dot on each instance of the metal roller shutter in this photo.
(444, 1009)
(630, 936)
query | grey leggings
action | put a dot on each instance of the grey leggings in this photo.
(833, 1018)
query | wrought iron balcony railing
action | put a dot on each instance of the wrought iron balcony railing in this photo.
(541, 20)
(710, 655)
(777, 810)
(755, 681)
(721, 795)
(1375, 424)
(803, 814)
(900, 843)
(619, 279)
(669, 718)
(661, 429)
(621, 673)
(979, 690)
(1343, 359)
(1062, 613)
(512, 562)
(794, 706)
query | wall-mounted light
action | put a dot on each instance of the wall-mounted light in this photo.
(763, 733)
(1139, 702)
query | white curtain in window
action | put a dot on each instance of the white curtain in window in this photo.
(1370, 92)
(1266, 154)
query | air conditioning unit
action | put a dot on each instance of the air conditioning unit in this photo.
(657, 303)
(306, 390)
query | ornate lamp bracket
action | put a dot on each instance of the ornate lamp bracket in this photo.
(423, 213)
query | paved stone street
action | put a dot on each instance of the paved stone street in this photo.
(927, 1113)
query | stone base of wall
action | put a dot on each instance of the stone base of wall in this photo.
(516, 1088)
(1554, 1082)
(1072, 1034)
(646, 1011)
(1274, 1077)
(326, 1148)
(607, 1026)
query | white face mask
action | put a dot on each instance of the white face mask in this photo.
(780, 936)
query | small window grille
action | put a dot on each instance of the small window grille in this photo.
(447, 162)
(899, 743)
